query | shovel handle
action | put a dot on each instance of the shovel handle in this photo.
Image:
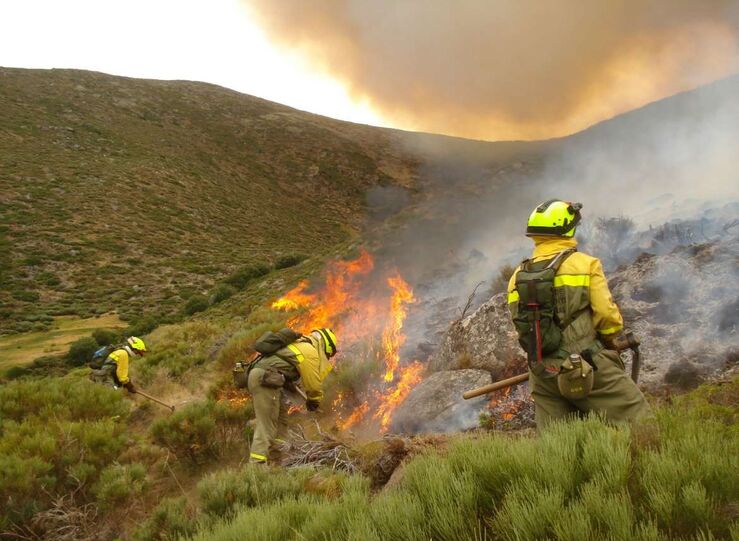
(502, 384)
(153, 399)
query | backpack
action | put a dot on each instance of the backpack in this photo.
(271, 342)
(99, 357)
(539, 332)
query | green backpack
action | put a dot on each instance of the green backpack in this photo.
(538, 330)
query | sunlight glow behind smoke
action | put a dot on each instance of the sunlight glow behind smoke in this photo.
(509, 69)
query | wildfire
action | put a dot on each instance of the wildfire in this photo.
(355, 416)
(409, 376)
(295, 298)
(364, 319)
(328, 307)
(392, 339)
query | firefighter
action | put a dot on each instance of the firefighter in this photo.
(567, 322)
(307, 360)
(115, 366)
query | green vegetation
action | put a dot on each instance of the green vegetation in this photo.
(157, 157)
(674, 477)
(21, 349)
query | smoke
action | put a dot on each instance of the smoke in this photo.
(510, 69)
(669, 171)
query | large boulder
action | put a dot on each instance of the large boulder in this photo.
(484, 340)
(436, 403)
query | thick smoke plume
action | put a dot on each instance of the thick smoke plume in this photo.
(509, 69)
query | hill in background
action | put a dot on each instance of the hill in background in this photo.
(133, 195)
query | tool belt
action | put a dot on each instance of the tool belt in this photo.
(551, 367)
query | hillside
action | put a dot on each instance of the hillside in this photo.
(132, 195)
(145, 196)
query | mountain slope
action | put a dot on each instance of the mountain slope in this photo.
(124, 194)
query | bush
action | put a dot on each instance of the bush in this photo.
(202, 430)
(105, 337)
(197, 303)
(57, 434)
(81, 351)
(143, 326)
(290, 260)
(241, 278)
(221, 293)
(172, 519)
(118, 483)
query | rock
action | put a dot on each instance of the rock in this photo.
(685, 309)
(485, 340)
(436, 403)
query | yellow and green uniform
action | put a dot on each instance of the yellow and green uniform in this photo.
(583, 299)
(119, 358)
(304, 360)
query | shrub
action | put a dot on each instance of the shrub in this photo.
(173, 518)
(143, 326)
(289, 260)
(105, 337)
(197, 303)
(221, 293)
(117, 483)
(202, 430)
(81, 351)
(241, 278)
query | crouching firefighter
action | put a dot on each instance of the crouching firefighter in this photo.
(114, 367)
(285, 358)
(567, 323)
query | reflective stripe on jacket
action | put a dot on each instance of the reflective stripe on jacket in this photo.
(120, 358)
(309, 357)
(581, 290)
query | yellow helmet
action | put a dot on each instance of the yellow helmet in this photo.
(329, 341)
(136, 344)
(554, 218)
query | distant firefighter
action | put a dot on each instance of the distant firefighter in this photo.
(286, 358)
(114, 361)
(568, 324)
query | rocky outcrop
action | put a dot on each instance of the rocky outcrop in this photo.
(436, 403)
(684, 306)
(484, 340)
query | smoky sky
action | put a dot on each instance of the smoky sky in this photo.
(509, 69)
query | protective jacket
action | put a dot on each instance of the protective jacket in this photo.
(120, 358)
(581, 295)
(305, 360)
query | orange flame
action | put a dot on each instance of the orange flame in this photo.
(327, 308)
(392, 339)
(295, 298)
(355, 416)
(409, 377)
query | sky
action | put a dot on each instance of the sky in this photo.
(215, 41)
(486, 69)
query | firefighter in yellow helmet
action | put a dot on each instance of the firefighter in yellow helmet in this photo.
(306, 360)
(566, 322)
(115, 366)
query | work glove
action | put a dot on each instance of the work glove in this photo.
(129, 387)
(312, 405)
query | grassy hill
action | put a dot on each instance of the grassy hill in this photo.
(133, 195)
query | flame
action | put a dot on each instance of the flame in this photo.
(295, 298)
(392, 339)
(358, 316)
(355, 416)
(329, 306)
(409, 377)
